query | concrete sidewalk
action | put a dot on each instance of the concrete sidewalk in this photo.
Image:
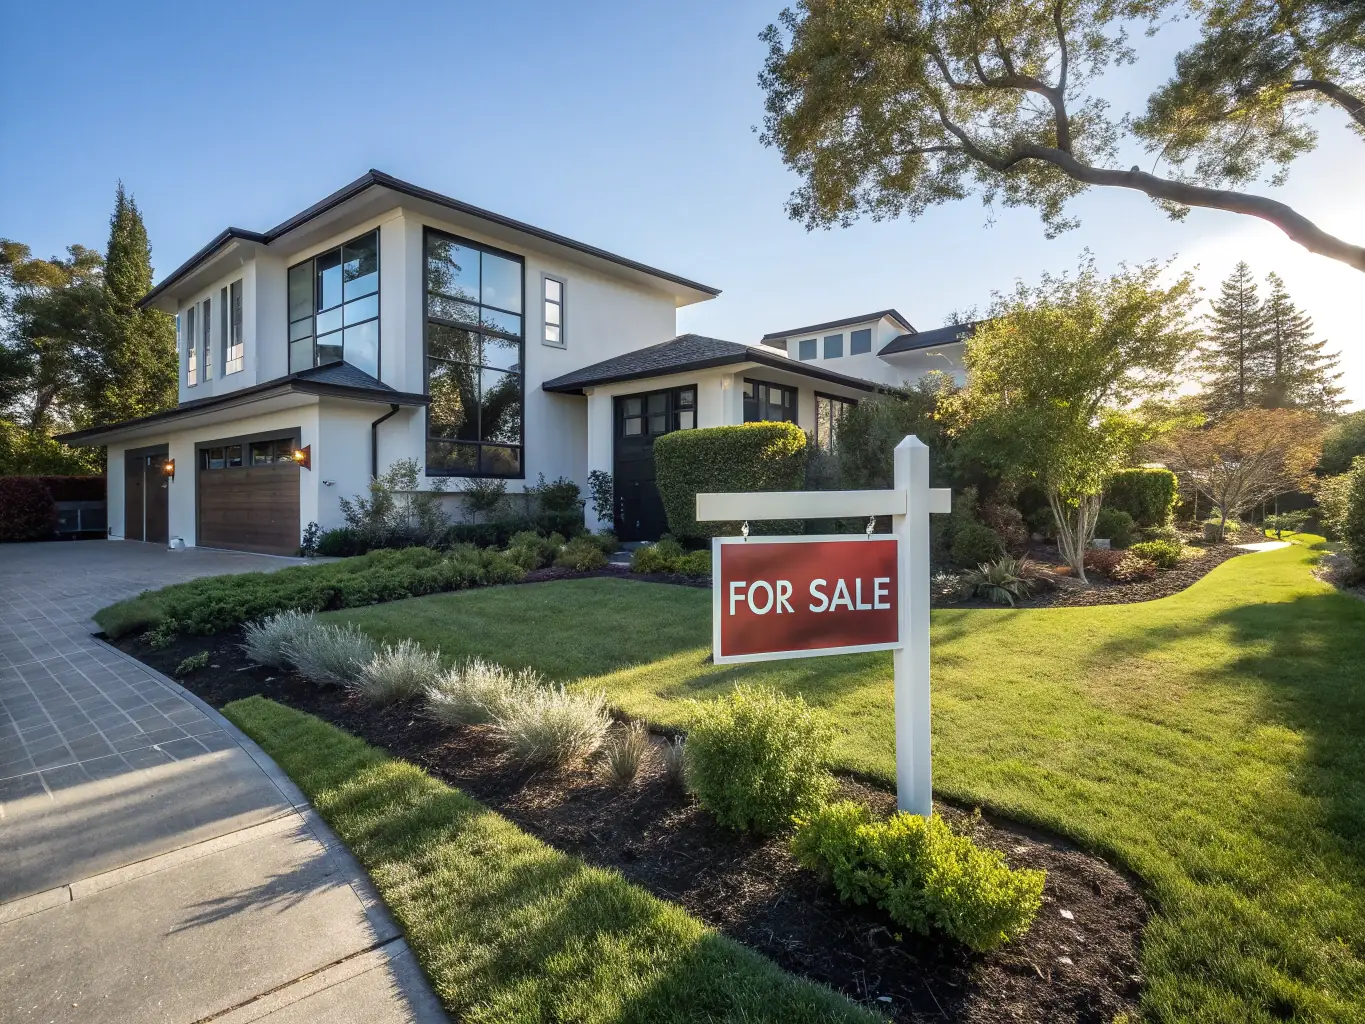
(155, 865)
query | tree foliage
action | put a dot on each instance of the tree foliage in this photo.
(1232, 355)
(1343, 442)
(887, 107)
(1299, 372)
(1054, 374)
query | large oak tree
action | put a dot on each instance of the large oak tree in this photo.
(887, 107)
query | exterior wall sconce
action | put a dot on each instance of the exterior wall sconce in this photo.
(168, 469)
(303, 456)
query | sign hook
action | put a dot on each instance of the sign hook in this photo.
(745, 529)
(871, 525)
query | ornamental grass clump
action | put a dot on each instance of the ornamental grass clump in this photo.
(927, 877)
(756, 758)
(624, 752)
(478, 691)
(329, 655)
(398, 672)
(264, 641)
(552, 726)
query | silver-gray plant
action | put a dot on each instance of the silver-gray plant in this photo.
(478, 691)
(675, 762)
(624, 751)
(553, 726)
(264, 640)
(398, 672)
(329, 655)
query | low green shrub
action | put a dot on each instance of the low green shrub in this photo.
(1115, 524)
(757, 757)
(1164, 554)
(1133, 568)
(975, 544)
(552, 726)
(329, 655)
(606, 540)
(397, 672)
(919, 871)
(532, 551)
(1169, 533)
(765, 456)
(1353, 523)
(192, 664)
(342, 542)
(161, 636)
(581, 553)
(477, 691)
(264, 641)
(1148, 494)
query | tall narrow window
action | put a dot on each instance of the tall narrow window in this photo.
(474, 359)
(206, 347)
(829, 413)
(334, 307)
(191, 357)
(860, 342)
(554, 312)
(236, 348)
(223, 327)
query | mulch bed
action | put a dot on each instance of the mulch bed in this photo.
(1079, 962)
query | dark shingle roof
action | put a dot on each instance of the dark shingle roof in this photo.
(779, 335)
(332, 380)
(688, 352)
(949, 335)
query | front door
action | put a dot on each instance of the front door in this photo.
(637, 421)
(146, 496)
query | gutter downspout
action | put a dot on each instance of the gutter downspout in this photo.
(374, 441)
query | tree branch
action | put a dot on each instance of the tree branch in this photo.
(1352, 104)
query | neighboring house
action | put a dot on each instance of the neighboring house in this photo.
(881, 347)
(390, 322)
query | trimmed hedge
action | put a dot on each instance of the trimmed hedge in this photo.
(215, 603)
(1116, 525)
(1147, 494)
(73, 488)
(27, 509)
(767, 456)
(1353, 525)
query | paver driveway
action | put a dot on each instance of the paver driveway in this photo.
(154, 864)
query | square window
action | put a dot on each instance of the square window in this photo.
(687, 419)
(634, 406)
(834, 346)
(806, 348)
(658, 424)
(215, 458)
(234, 455)
(687, 397)
(632, 426)
(860, 342)
(261, 453)
(658, 402)
(552, 334)
(553, 290)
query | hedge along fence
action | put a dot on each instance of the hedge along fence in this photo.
(1147, 494)
(28, 504)
(766, 456)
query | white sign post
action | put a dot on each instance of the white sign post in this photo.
(909, 503)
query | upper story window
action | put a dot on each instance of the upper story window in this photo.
(474, 346)
(206, 339)
(806, 349)
(834, 346)
(191, 353)
(829, 413)
(764, 401)
(554, 312)
(334, 307)
(236, 348)
(860, 342)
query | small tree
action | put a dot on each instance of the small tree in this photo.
(397, 512)
(1051, 374)
(602, 491)
(1247, 457)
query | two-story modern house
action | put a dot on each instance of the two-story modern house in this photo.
(388, 322)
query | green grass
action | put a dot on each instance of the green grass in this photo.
(508, 929)
(1213, 743)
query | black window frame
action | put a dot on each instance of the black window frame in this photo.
(825, 444)
(674, 408)
(857, 337)
(312, 317)
(236, 330)
(545, 303)
(427, 319)
(757, 383)
(191, 347)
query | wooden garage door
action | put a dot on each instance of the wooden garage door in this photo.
(249, 497)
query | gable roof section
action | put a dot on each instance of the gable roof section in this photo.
(689, 352)
(373, 179)
(831, 325)
(334, 380)
(951, 335)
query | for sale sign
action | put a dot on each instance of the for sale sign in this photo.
(798, 597)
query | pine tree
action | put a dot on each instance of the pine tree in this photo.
(1299, 374)
(1232, 359)
(139, 366)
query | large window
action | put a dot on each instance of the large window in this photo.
(236, 348)
(768, 402)
(334, 307)
(829, 413)
(860, 342)
(191, 354)
(474, 359)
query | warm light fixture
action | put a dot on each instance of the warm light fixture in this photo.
(303, 456)
(168, 468)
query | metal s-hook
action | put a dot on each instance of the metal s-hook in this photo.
(871, 525)
(745, 529)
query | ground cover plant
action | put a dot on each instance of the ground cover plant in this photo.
(508, 929)
(1207, 742)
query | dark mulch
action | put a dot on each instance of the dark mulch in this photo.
(1079, 962)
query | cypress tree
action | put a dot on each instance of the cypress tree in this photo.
(139, 373)
(1232, 359)
(1299, 373)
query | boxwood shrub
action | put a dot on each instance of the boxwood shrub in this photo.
(1116, 525)
(215, 603)
(1164, 554)
(1147, 494)
(766, 456)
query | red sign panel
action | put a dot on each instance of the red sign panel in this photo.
(796, 597)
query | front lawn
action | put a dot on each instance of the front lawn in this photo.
(508, 929)
(1212, 742)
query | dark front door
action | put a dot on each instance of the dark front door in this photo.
(146, 497)
(637, 421)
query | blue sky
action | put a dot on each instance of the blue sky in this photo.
(626, 125)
